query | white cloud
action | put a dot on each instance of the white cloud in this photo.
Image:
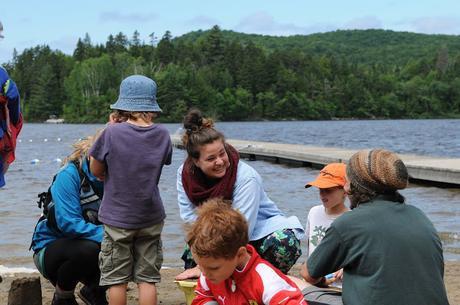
(263, 23)
(363, 23)
(436, 25)
(202, 20)
(114, 16)
(65, 44)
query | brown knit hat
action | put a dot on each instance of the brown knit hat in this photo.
(377, 170)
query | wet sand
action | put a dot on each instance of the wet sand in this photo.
(169, 294)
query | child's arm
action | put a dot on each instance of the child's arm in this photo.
(97, 168)
(98, 154)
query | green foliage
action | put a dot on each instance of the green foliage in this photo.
(235, 76)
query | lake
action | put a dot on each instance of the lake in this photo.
(42, 146)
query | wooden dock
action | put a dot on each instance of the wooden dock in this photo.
(424, 169)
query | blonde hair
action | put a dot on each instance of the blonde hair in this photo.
(81, 148)
(219, 230)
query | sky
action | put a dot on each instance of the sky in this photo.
(59, 24)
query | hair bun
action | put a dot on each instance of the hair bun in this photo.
(194, 121)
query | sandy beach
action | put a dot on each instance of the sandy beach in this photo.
(169, 294)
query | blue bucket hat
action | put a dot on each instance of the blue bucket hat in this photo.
(137, 93)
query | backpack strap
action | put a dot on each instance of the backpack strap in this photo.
(86, 182)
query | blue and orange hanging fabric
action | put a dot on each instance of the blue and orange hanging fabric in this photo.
(10, 121)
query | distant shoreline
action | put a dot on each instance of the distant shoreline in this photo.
(159, 120)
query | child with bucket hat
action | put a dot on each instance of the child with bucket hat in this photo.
(330, 182)
(129, 157)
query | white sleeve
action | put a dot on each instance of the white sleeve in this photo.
(186, 207)
(246, 199)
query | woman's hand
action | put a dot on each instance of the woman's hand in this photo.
(192, 273)
(333, 277)
(338, 275)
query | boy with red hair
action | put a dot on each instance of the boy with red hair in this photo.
(232, 271)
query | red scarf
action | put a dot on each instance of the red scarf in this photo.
(199, 187)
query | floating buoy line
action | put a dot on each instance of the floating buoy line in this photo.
(43, 140)
(37, 161)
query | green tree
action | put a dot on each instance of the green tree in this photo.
(213, 46)
(88, 87)
(165, 49)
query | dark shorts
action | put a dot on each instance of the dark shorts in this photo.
(329, 296)
(281, 249)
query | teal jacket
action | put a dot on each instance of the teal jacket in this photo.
(66, 196)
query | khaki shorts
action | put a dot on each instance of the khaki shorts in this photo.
(131, 255)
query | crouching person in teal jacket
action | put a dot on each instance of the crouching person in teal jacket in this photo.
(66, 240)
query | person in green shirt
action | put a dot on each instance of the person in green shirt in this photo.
(390, 251)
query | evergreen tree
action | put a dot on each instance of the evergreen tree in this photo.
(165, 49)
(213, 46)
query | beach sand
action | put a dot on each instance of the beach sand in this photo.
(169, 294)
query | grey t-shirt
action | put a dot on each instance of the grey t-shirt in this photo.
(134, 157)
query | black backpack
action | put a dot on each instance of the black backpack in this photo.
(90, 200)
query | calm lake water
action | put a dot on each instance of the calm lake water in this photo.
(49, 143)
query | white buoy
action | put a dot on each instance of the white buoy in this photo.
(45, 140)
(59, 139)
(30, 140)
(20, 140)
(34, 161)
(57, 160)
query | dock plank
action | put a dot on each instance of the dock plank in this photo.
(422, 168)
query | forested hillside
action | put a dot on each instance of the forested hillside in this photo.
(235, 76)
(356, 46)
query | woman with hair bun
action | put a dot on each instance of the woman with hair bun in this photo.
(213, 169)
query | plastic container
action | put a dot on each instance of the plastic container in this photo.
(188, 287)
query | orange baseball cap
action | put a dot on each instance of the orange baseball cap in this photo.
(330, 176)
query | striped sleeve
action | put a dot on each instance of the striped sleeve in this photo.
(203, 294)
(276, 290)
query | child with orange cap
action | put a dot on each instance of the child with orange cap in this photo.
(330, 182)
